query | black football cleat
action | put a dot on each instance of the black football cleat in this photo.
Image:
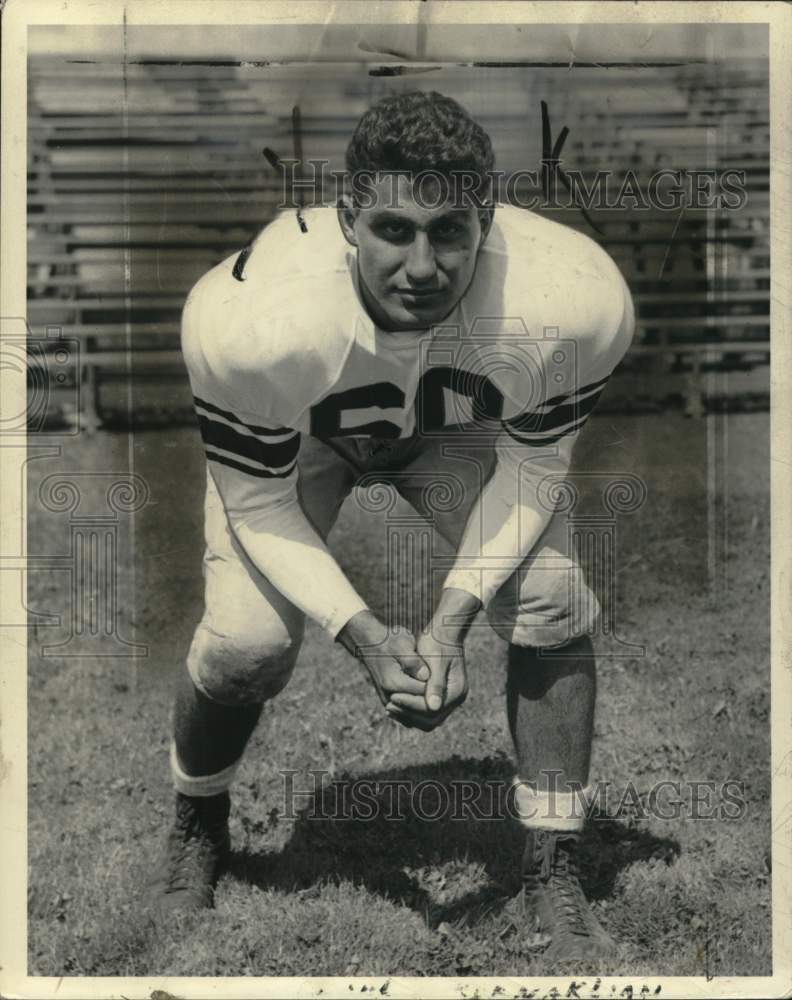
(196, 849)
(553, 895)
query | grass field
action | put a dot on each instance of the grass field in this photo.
(331, 897)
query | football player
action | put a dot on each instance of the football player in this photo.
(416, 337)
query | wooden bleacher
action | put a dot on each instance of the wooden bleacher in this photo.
(142, 178)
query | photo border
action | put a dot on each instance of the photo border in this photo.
(17, 16)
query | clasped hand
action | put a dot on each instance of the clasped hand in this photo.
(446, 685)
(419, 684)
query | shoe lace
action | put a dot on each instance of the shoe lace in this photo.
(182, 867)
(190, 839)
(559, 869)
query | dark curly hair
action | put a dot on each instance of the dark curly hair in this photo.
(422, 131)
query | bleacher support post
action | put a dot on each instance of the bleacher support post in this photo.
(694, 397)
(90, 411)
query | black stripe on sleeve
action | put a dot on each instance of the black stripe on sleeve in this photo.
(542, 422)
(538, 442)
(273, 455)
(555, 400)
(228, 415)
(260, 473)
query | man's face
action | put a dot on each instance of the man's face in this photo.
(416, 257)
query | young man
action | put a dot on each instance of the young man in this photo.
(426, 338)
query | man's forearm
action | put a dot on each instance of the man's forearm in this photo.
(455, 613)
(285, 548)
(480, 570)
(508, 519)
(362, 630)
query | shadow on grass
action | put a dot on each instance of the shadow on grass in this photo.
(381, 851)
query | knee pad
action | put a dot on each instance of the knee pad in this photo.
(545, 606)
(242, 668)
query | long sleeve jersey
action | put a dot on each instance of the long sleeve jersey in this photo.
(287, 349)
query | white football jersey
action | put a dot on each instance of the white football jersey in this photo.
(278, 344)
